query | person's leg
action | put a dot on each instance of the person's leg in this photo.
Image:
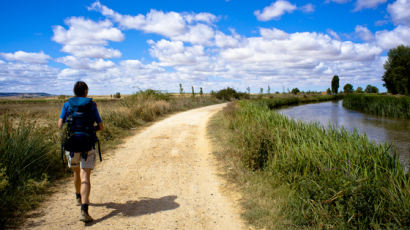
(85, 185)
(85, 173)
(85, 194)
(77, 180)
(74, 164)
(77, 184)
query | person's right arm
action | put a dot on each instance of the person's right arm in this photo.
(99, 126)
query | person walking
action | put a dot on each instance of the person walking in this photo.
(81, 113)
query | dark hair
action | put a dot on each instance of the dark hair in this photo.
(79, 88)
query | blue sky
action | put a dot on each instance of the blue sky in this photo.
(123, 46)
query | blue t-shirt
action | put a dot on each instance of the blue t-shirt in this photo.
(64, 112)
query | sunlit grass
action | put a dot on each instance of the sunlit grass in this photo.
(380, 105)
(317, 177)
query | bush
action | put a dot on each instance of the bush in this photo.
(348, 88)
(371, 89)
(295, 91)
(117, 95)
(228, 94)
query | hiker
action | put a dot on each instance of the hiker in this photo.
(80, 113)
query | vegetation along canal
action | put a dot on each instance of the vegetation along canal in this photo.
(379, 129)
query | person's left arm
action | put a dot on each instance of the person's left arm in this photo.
(97, 117)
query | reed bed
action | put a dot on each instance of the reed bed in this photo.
(380, 105)
(30, 142)
(298, 175)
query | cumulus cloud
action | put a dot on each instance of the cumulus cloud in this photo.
(399, 12)
(362, 4)
(85, 63)
(174, 53)
(390, 39)
(187, 27)
(364, 33)
(275, 10)
(34, 58)
(26, 77)
(87, 38)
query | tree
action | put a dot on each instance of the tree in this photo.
(397, 75)
(371, 89)
(359, 90)
(117, 95)
(181, 90)
(335, 84)
(248, 89)
(268, 89)
(295, 90)
(193, 92)
(348, 88)
(261, 91)
(201, 92)
(328, 91)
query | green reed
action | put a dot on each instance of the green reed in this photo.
(334, 178)
(380, 105)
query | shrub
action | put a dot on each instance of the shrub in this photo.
(348, 88)
(295, 91)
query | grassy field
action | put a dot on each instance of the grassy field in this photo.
(30, 142)
(303, 176)
(380, 105)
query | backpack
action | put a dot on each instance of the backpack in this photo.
(81, 135)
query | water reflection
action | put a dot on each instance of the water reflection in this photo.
(395, 131)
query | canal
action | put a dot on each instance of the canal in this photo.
(395, 131)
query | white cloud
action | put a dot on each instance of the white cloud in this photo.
(26, 77)
(91, 51)
(197, 34)
(86, 38)
(184, 27)
(390, 39)
(85, 63)
(275, 10)
(174, 53)
(208, 18)
(399, 12)
(222, 40)
(308, 8)
(34, 58)
(364, 33)
(333, 33)
(337, 1)
(362, 4)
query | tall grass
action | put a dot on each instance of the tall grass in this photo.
(26, 160)
(380, 105)
(327, 178)
(30, 142)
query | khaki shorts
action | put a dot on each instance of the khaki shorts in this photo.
(78, 161)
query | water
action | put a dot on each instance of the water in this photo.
(395, 131)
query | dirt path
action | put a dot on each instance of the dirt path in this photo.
(164, 177)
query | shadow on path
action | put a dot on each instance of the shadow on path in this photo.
(140, 207)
